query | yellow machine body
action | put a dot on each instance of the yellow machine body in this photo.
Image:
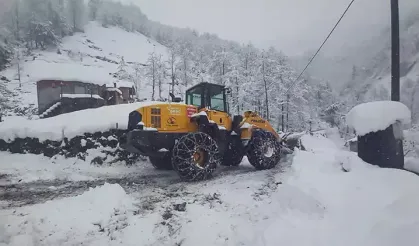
(169, 117)
(176, 118)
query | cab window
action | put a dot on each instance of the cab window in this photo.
(216, 97)
(193, 97)
(217, 101)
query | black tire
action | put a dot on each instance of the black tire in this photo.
(234, 153)
(264, 151)
(195, 157)
(162, 163)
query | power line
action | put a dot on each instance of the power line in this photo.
(321, 46)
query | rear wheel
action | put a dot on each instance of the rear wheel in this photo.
(264, 150)
(195, 156)
(162, 163)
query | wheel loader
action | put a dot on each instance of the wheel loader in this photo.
(195, 137)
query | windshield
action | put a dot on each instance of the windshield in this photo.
(217, 101)
(214, 97)
(194, 97)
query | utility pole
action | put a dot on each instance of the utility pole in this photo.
(395, 51)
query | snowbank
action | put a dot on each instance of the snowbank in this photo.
(375, 116)
(71, 124)
(317, 142)
(75, 220)
(27, 168)
(412, 164)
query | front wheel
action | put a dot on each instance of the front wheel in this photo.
(195, 156)
(264, 151)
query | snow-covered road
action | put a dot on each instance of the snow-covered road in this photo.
(326, 197)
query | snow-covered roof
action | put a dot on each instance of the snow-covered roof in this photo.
(375, 116)
(355, 139)
(114, 89)
(72, 124)
(81, 96)
(120, 83)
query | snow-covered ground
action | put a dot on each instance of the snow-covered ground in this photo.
(328, 196)
(79, 61)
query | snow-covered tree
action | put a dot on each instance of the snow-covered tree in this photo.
(410, 97)
(122, 72)
(151, 73)
(160, 75)
(76, 13)
(94, 6)
(172, 67)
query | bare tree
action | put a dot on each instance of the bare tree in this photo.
(19, 69)
(161, 74)
(93, 8)
(172, 64)
(76, 8)
(151, 72)
(265, 86)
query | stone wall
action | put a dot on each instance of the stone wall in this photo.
(106, 144)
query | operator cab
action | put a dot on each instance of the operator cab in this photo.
(207, 95)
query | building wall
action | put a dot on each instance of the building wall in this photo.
(125, 94)
(49, 91)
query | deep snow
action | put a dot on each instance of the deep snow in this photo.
(327, 197)
(375, 116)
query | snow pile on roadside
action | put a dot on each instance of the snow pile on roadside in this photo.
(93, 216)
(27, 168)
(411, 164)
(317, 142)
(375, 116)
(71, 124)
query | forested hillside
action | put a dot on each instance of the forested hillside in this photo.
(362, 72)
(259, 78)
(370, 80)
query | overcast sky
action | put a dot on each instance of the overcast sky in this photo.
(293, 26)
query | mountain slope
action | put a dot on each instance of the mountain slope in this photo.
(371, 80)
(192, 57)
(362, 73)
(92, 56)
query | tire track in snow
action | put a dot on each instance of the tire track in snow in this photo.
(17, 195)
(271, 184)
(141, 186)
